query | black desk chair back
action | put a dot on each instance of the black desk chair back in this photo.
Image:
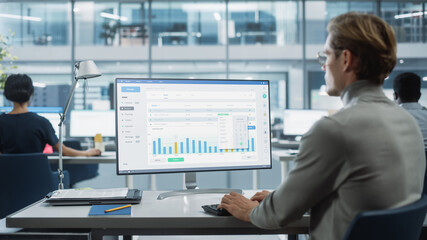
(392, 224)
(78, 172)
(25, 179)
(425, 179)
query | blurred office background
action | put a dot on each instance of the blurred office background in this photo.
(274, 40)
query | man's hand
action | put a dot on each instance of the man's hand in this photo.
(259, 196)
(239, 206)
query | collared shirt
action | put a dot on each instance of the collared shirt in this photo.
(420, 114)
(367, 156)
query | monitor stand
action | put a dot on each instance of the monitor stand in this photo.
(191, 185)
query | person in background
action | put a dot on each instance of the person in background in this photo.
(22, 131)
(367, 156)
(407, 92)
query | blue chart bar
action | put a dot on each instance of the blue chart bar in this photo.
(187, 146)
(194, 146)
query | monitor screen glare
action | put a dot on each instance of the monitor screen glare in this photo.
(296, 122)
(188, 125)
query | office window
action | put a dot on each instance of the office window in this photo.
(97, 23)
(10, 22)
(133, 30)
(263, 22)
(50, 24)
(38, 24)
(318, 14)
(406, 18)
(187, 23)
(190, 69)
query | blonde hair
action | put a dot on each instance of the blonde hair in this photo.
(370, 39)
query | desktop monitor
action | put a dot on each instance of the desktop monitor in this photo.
(191, 125)
(50, 113)
(296, 122)
(88, 123)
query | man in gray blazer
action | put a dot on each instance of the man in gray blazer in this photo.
(367, 156)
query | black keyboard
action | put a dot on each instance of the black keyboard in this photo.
(213, 209)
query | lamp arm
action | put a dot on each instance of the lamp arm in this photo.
(61, 121)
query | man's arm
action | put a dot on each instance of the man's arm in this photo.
(317, 174)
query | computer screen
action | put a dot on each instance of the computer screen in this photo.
(88, 123)
(296, 122)
(50, 113)
(188, 125)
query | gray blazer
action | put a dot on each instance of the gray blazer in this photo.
(369, 155)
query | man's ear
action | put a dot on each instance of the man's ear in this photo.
(349, 60)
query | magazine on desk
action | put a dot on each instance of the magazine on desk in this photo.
(93, 196)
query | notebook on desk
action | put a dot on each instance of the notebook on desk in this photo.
(94, 196)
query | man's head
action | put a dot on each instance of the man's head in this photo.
(18, 88)
(359, 47)
(407, 87)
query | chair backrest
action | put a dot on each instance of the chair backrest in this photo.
(24, 179)
(391, 224)
(425, 179)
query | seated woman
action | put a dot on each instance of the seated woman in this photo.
(26, 132)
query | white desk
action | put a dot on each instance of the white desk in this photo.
(110, 158)
(180, 215)
(284, 156)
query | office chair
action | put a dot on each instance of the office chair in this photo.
(78, 172)
(25, 179)
(391, 224)
(425, 180)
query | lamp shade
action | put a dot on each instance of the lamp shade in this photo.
(87, 69)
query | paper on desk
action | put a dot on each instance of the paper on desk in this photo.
(92, 193)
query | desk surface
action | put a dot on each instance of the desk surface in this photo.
(174, 215)
(106, 157)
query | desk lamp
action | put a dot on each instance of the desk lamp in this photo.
(82, 70)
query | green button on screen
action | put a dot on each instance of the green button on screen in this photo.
(175, 159)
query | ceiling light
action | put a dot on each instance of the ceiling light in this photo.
(28, 18)
(408, 15)
(113, 16)
(39, 84)
(217, 16)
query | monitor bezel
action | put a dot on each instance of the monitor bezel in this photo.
(198, 169)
